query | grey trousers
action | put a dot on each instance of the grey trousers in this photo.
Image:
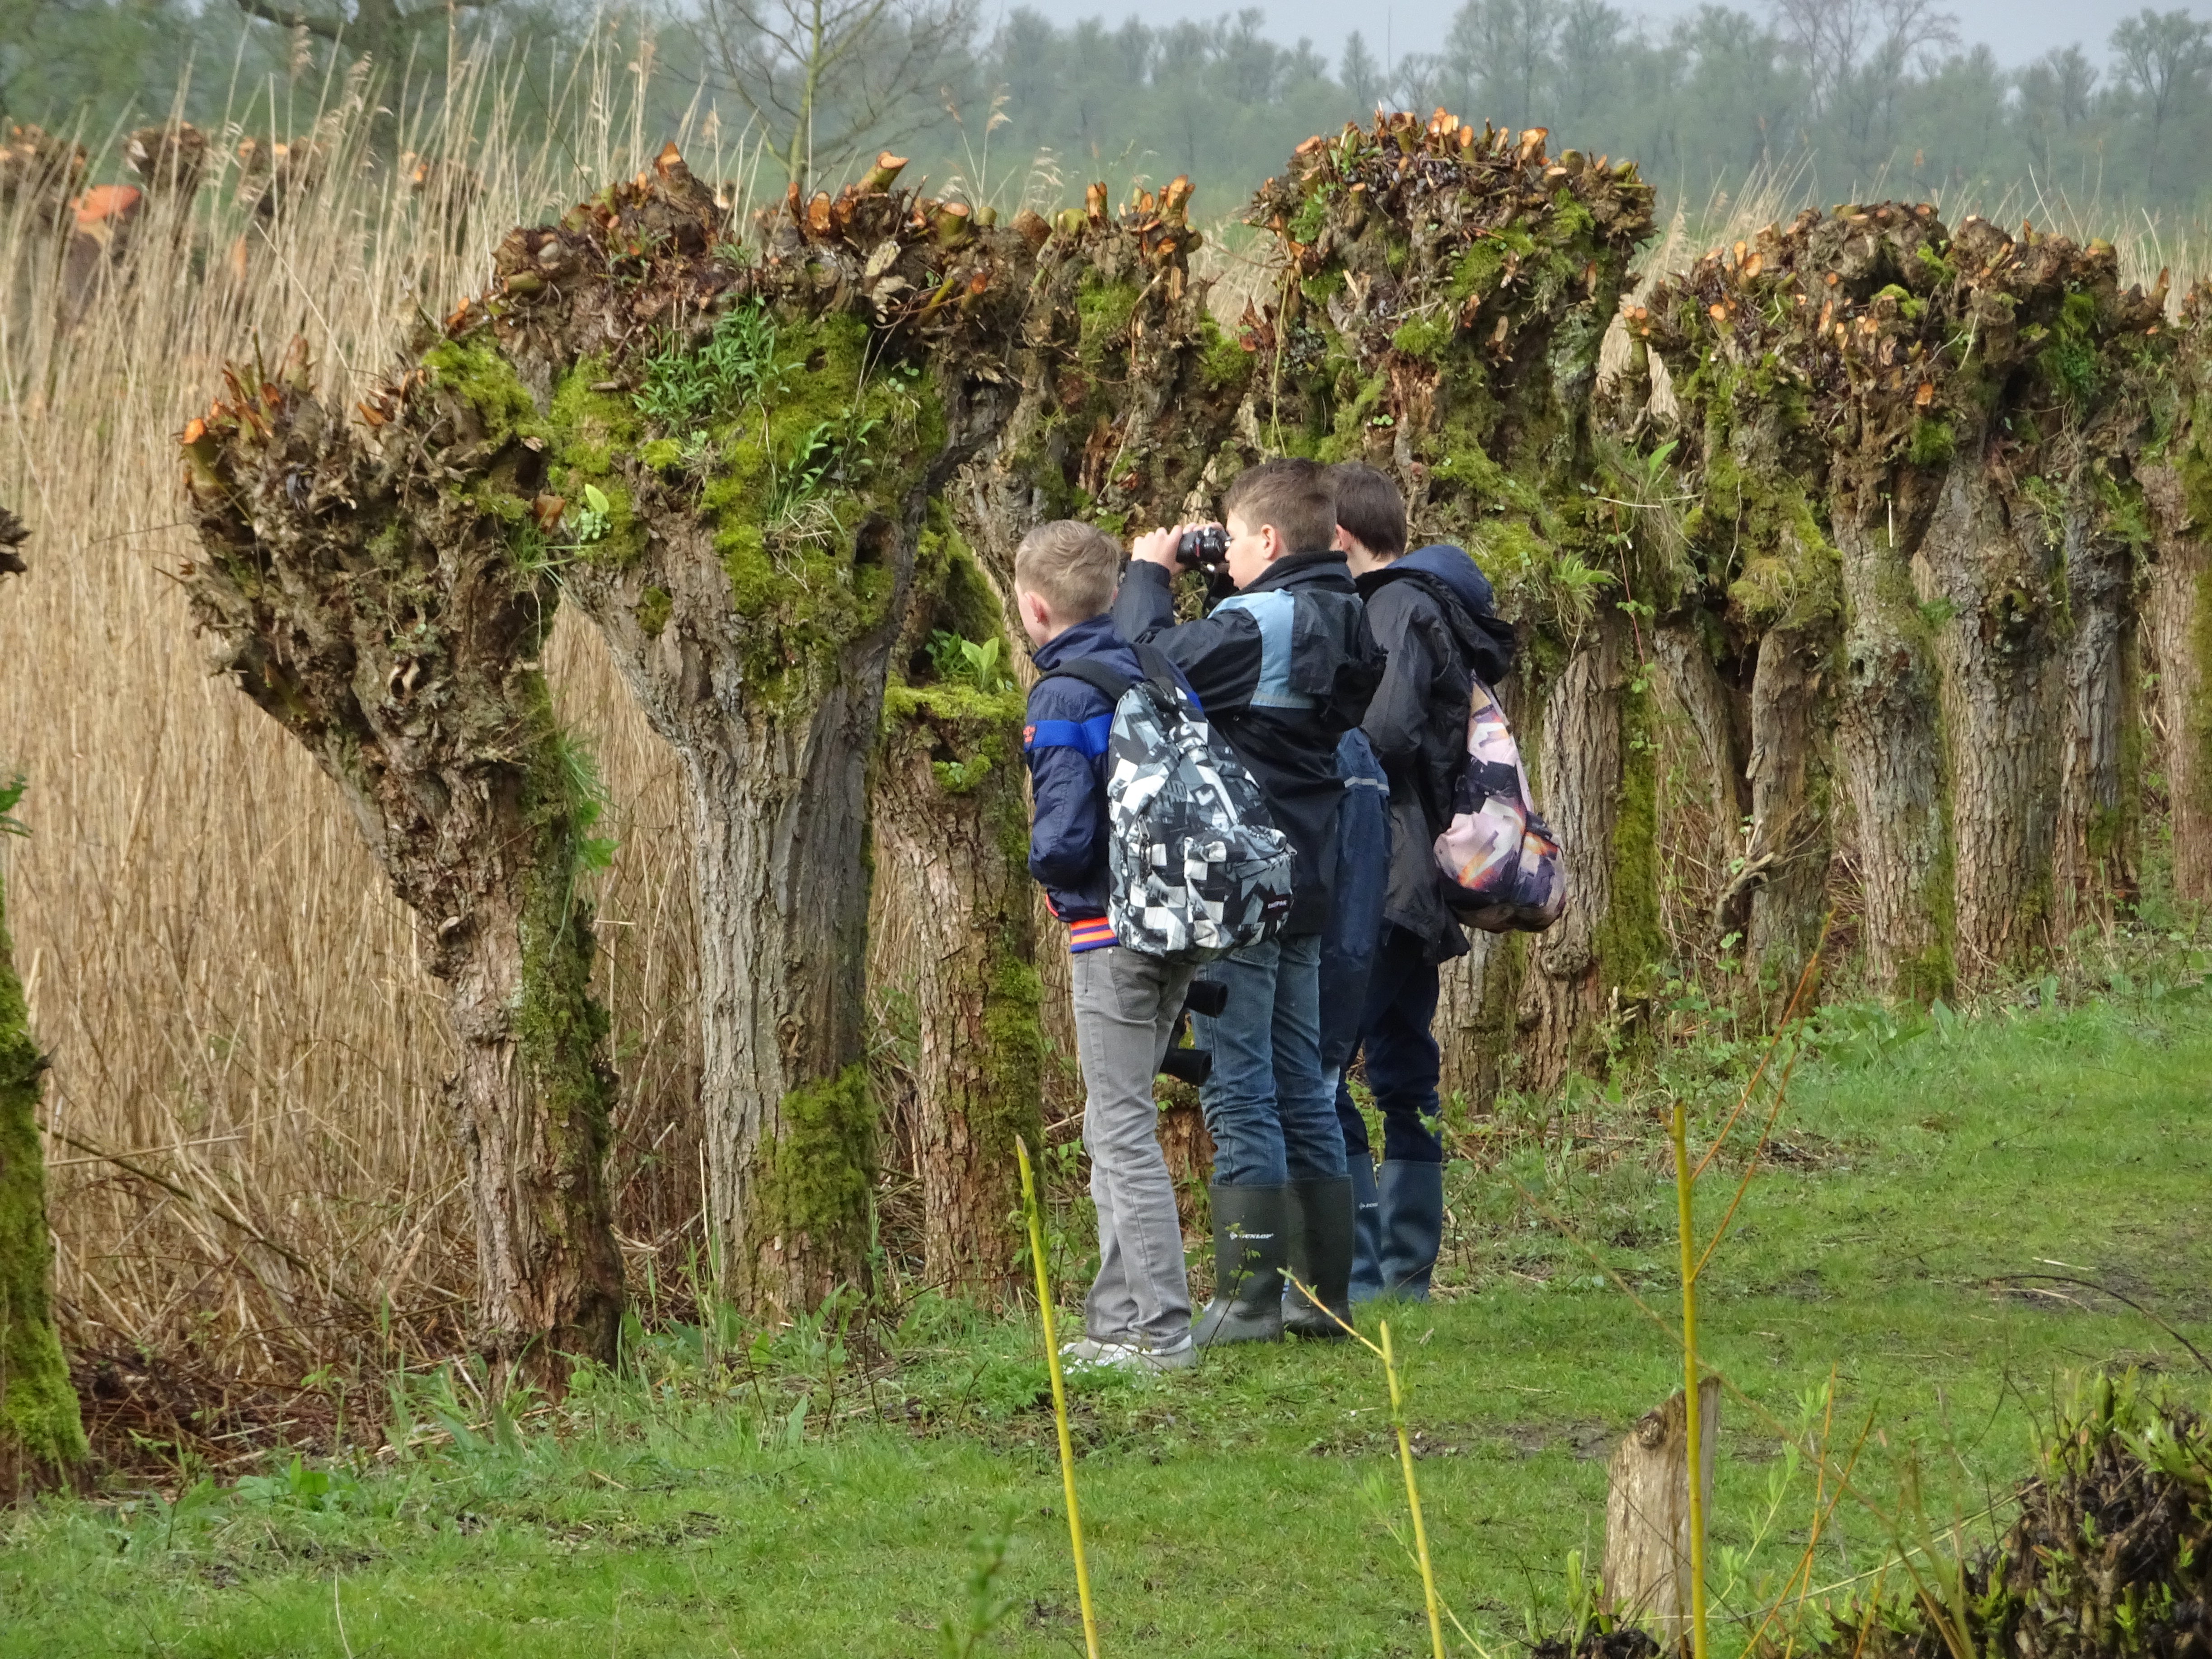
(1124, 1013)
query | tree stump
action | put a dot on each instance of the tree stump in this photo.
(1646, 1575)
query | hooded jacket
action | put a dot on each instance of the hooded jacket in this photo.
(1064, 741)
(1283, 669)
(1432, 612)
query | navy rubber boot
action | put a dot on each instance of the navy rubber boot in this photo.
(1412, 1211)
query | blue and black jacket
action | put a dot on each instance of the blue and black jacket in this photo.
(1283, 669)
(1064, 743)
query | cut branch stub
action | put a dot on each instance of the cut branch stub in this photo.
(387, 601)
(766, 433)
(1914, 453)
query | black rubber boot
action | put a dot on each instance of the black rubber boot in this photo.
(1412, 1226)
(1366, 1229)
(1321, 1217)
(1248, 1241)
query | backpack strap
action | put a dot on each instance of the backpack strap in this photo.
(1093, 673)
(1160, 675)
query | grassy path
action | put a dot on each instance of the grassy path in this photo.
(1241, 1511)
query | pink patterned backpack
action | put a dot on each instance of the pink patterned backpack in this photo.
(1501, 863)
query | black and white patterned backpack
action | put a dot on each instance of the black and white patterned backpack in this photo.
(1195, 867)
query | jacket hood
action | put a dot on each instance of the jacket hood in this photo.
(1487, 638)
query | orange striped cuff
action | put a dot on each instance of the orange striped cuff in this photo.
(1090, 933)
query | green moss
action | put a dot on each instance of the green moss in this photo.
(474, 370)
(814, 1173)
(38, 1413)
(2069, 359)
(1223, 365)
(653, 606)
(1102, 310)
(662, 455)
(1423, 337)
(1013, 1033)
(1932, 443)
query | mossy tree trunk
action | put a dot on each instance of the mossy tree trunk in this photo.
(386, 600)
(952, 939)
(1956, 417)
(41, 1432)
(1445, 295)
(2177, 624)
(766, 438)
(1786, 857)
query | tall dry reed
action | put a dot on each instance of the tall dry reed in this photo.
(252, 1160)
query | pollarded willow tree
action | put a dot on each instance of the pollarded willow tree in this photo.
(746, 448)
(2177, 476)
(41, 1434)
(383, 589)
(1917, 525)
(1446, 294)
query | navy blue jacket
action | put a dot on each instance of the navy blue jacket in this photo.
(1431, 610)
(1283, 669)
(1064, 743)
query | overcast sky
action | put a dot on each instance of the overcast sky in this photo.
(2017, 30)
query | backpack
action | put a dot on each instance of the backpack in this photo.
(1501, 863)
(1195, 867)
(1355, 914)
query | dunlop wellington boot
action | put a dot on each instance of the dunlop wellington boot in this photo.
(1249, 1243)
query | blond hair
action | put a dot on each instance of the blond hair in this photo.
(1073, 567)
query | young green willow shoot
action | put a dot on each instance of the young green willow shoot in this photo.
(1034, 1213)
(1383, 1351)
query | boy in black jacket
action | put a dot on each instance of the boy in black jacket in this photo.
(1138, 1313)
(1431, 610)
(1283, 668)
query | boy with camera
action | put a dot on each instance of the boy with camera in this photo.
(1431, 610)
(1138, 1313)
(1283, 667)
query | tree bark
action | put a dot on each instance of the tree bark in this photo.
(1992, 575)
(2176, 625)
(2097, 847)
(952, 939)
(1887, 751)
(370, 600)
(1598, 768)
(1703, 796)
(1787, 856)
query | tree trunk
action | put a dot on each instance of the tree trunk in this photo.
(1646, 1577)
(952, 939)
(2097, 847)
(1988, 562)
(1702, 796)
(1886, 748)
(379, 613)
(2176, 620)
(1786, 858)
(1599, 796)
(41, 1435)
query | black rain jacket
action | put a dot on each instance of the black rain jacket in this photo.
(1283, 669)
(1431, 610)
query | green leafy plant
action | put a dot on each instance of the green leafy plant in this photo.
(592, 521)
(964, 661)
(685, 390)
(987, 1608)
(11, 794)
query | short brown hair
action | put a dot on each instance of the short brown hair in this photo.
(1072, 566)
(1370, 507)
(1291, 495)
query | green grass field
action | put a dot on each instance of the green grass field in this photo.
(797, 1505)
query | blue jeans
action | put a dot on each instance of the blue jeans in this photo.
(1268, 1105)
(1403, 1061)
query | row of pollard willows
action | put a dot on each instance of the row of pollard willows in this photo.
(1918, 529)
(768, 480)
(772, 480)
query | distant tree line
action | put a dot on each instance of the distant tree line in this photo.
(1846, 98)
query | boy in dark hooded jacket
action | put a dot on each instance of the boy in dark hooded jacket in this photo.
(1431, 610)
(1283, 668)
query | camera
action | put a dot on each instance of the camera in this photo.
(1204, 549)
(1194, 1065)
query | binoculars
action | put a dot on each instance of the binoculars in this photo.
(1194, 1065)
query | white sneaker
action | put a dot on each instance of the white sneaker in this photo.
(1129, 1356)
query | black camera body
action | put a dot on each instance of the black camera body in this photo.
(1204, 549)
(1194, 1065)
